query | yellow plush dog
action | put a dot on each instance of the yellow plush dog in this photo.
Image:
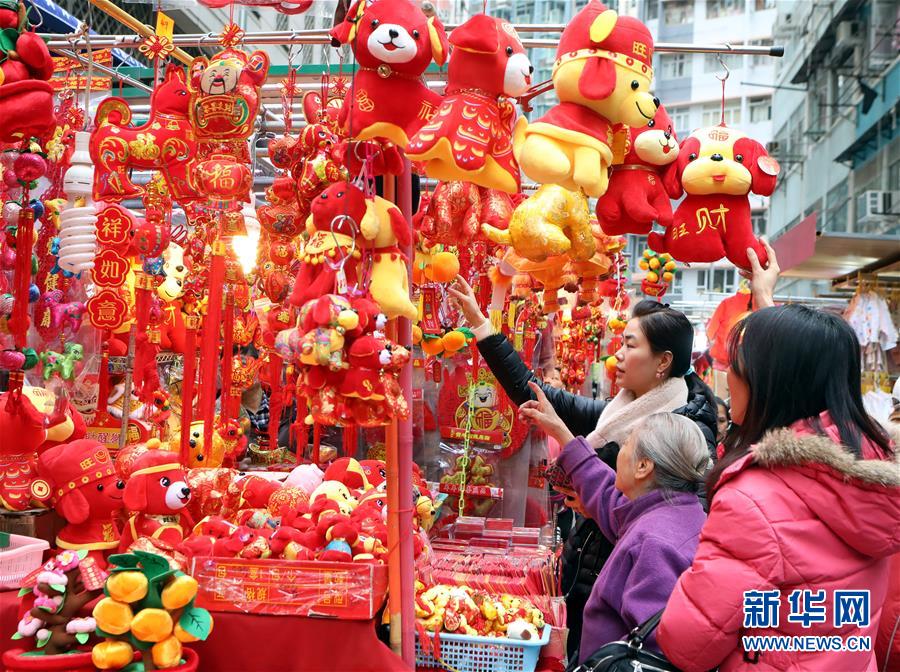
(384, 228)
(602, 77)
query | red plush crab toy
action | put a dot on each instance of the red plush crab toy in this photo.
(81, 481)
(637, 194)
(470, 135)
(26, 99)
(393, 42)
(156, 494)
(717, 168)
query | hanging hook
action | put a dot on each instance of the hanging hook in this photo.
(727, 74)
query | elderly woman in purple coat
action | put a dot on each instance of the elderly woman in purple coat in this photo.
(648, 507)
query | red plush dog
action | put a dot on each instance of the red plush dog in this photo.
(157, 493)
(394, 42)
(85, 490)
(470, 136)
(637, 194)
(717, 167)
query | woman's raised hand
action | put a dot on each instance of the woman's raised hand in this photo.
(464, 299)
(763, 280)
(540, 412)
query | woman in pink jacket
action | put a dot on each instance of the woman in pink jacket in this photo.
(806, 497)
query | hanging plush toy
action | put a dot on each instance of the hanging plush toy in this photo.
(470, 135)
(717, 168)
(637, 194)
(165, 142)
(26, 99)
(602, 77)
(393, 42)
(552, 222)
(455, 213)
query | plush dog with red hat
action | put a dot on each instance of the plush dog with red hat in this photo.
(602, 77)
(470, 136)
(638, 195)
(393, 42)
(156, 494)
(80, 479)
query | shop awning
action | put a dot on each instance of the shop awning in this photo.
(804, 252)
(55, 19)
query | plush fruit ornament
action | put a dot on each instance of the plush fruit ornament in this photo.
(717, 168)
(660, 270)
(26, 99)
(552, 222)
(602, 77)
(637, 194)
(166, 143)
(393, 42)
(444, 267)
(470, 136)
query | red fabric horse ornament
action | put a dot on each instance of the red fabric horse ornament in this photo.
(165, 143)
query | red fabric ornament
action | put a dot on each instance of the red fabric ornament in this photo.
(26, 99)
(166, 142)
(728, 313)
(454, 214)
(393, 42)
(600, 56)
(470, 135)
(717, 168)
(349, 472)
(637, 194)
(87, 492)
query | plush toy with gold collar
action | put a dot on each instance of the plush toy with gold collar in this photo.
(470, 135)
(717, 168)
(552, 222)
(602, 77)
(393, 42)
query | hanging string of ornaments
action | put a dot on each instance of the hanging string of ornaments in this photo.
(141, 331)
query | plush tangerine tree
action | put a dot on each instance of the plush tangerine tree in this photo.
(148, 607)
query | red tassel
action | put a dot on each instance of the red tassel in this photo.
(209, 352)
(227, 347)
(18, 322)
(187, 383)
(350, 440)
(275, 398)
(317, 442)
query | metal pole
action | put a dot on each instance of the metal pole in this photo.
(143, 31)
(303, 37)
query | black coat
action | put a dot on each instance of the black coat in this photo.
(586, 549)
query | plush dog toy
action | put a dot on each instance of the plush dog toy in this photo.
(717, 167)
(393, 42)
(637, 194)
(80, 479)
(470, 135)
(602, 77)
(200, 454)
(156, 494)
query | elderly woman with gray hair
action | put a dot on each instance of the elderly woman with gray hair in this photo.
(648, 507)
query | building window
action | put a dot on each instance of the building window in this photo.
(678, 12)
(673, 65)
(680, 117)
(837, 208)
(713, 113)
(717, 8)
(764, 4)
(720, 280)
(893, 183)
(759, 222)
(761, 59)
(760, 109)
(652, 10)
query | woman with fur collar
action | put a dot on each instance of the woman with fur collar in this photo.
(805, 497)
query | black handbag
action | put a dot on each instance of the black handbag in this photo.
(628, 655)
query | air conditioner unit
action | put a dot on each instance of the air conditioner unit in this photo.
(848, 33)
(773, 147)
(873, 206)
